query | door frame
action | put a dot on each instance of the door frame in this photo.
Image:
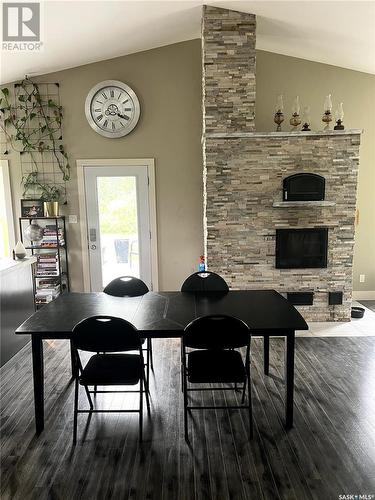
(4, 165)
(136, 162)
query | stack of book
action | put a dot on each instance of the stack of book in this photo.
(47, 265)
(46, 290)
(51, 237)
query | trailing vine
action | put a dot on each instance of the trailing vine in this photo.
(33, 125)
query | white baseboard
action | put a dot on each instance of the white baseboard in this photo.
(364, 295)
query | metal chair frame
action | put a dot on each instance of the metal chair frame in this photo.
(148, 349)
(185, 386)
(78, 372)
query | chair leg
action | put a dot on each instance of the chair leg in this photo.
(95, 386)
(147, 397)
(141, 409)
(75, 413)
(147, 381)
(89, 397)
(185, 409)
(250, 404)
(151, 354)
(243, 392)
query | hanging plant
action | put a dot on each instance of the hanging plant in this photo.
(48, 192)
(33, 125)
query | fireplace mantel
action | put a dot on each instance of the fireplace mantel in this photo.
(303, 203)
(250, 135)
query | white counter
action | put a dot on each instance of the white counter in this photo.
(7, 265)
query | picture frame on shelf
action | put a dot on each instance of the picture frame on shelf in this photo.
(32, 208)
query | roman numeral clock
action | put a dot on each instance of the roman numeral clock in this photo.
(112, 109)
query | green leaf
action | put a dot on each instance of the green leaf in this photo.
(5, 91)
(51, 104)
(32, 115)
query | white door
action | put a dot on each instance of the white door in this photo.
(118, 222)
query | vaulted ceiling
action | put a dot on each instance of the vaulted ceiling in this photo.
(341, 33)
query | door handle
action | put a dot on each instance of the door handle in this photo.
(93, 247)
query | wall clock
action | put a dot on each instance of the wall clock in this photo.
(112, 108)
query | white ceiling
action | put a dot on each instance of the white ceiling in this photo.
(341, 33)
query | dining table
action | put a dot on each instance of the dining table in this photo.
(165, 315)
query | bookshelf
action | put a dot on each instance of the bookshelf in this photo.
(51, 269)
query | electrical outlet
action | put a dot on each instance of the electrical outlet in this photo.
(72, 219)
(362, 278)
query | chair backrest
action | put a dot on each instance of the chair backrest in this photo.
(105, 334)
(204, 282)
(216, 331)
(126, 286)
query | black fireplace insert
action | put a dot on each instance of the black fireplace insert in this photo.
(301, 248)
(304, 186)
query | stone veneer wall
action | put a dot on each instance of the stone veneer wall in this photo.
(244, 177)
(228, 58)
(243, 173)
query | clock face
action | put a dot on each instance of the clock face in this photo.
(112, 108)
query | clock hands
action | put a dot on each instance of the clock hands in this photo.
(124, 117)
(112, 110)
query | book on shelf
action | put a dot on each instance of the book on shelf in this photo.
(47, 289)
(52, 237)
(47, 264)
(47, 293)
(48, 284)
(45, 299)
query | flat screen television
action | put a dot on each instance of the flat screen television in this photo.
(301, 248)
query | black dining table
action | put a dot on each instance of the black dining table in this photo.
(165, 315)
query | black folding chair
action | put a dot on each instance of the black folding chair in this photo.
(106, 334)
(216, 360)
(126, 286)
(129, 286)
(204, 282)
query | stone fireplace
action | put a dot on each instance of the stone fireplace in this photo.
(244, 173)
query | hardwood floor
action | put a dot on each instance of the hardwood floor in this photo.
(330, 451)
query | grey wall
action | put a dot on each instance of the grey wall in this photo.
(168, 84)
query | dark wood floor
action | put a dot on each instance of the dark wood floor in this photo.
(330, 451)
